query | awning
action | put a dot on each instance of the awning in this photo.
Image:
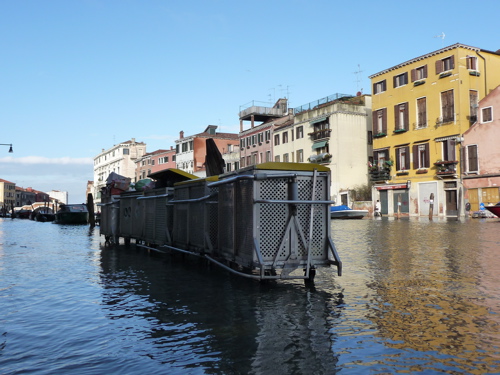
(319, 119)
(319, 144)
(442, 139)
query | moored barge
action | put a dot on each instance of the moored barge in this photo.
(268, 221)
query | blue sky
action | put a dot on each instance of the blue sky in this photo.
(79, 76)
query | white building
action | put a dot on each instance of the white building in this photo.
(61, 196)
(332, 131)
(119, 159)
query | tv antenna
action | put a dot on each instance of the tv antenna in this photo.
(442, 36)
(358, 76)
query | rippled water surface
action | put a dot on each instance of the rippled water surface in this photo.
(415, 297)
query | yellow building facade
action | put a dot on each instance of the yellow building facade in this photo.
(420, 110)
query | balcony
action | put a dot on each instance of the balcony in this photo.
(380, 174)
(320, 134)
(446, 168)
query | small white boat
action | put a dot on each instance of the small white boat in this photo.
(344, 212)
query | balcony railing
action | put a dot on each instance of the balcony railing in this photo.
(446, 167)
(380, 174)
(320, 134)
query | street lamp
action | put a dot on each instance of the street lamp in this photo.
(7, 144)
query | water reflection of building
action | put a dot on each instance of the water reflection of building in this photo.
(429, 292)
(192, 316)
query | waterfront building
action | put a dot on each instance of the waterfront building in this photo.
(7, 194)
(256, 144)
(24, 197)
(119, 159)
(155, 161)
(420, 109)
(481, 154)
(191, 150)
(334, 131)
(60, 196)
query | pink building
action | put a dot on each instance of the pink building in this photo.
(481, 154)
(153, 162)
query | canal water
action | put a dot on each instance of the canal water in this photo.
(415, 297)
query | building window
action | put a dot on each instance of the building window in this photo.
(401, 117)
(471, 63)
(228, 167)
(471, 156)
(421, 113)
(276, 139)
(277, 158)
(403, 158)
(285, 137)
(285, 158)
(473, 104)
(447, 107)
(126, 151)
(419, 73)
(300, 156)
(401, 80)
(184, 147)
(486, 114)
(445, 64)
(191, 145)
(421, 157)
(448, 148)
(254, 158)
(379, 118)
(268, 135)
(379, 87)
(321, 130)
(254, 140)
(236, 165)
(381, 156)
(299, 132)
(268, 155)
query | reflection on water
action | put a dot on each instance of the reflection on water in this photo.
(415, 296)
(427, 292)
(199, 317)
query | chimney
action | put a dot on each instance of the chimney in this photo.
(181, 134)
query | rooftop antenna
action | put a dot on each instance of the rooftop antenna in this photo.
(358, 77)
(442, 36)
(272, 97)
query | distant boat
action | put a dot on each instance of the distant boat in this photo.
(344, 212)
(495, 210)
(72, 214)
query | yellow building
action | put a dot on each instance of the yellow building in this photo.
(421, 108)
(7, 195)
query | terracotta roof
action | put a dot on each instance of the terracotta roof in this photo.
(2, 180)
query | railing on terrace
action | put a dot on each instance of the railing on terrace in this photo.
(252, 108)
(316, 103)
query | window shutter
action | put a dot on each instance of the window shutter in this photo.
(407, 117)
(439, 66)
(384, 120)
(374, 121)
(451, 150)
(384, 85)
(425, 71)
(415, 156)
(394, 81)
(452, 60)
(396, 117)
(427, 156)
(413, 75)
(407, 158)
(374, 90)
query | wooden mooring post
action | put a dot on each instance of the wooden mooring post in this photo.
(431, 206)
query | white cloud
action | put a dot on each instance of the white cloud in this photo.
(44, 160)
